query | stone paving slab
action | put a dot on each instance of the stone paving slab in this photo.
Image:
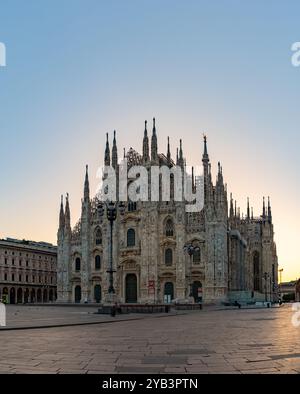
(259, 341)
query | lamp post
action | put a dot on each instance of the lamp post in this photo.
(190, 249)
(111, 212)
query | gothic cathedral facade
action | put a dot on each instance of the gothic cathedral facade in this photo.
(235, 257)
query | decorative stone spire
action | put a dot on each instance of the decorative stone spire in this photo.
(61, 214)
(154, 143)
(86, 193)
(180, 158)
(264, 209)
(168, 151)
(177, 157)
(145, 145)
(107, 153)
(207, 177)
(251, 213)
(231, 213)
(248, 209)
(269, 210)
(205, 157)
(193, 180)
(219, 176)
(114, 153)
(67, 213)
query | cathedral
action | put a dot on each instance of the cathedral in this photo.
(234, 256)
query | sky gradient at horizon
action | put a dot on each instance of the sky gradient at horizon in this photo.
(78, 69)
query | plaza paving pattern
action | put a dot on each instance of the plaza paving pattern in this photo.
(208, 341)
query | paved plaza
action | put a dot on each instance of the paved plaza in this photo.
(207, 341)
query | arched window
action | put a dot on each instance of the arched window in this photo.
(77, 264)
(131, 206)
(131, 237)
(256, 272)
(196, 256)
(169, 228)
(98, 237)
(168, 257)
(97, 262)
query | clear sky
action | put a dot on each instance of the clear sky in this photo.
(77, 69)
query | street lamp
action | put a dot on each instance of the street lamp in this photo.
(111, 212)
(190, 249)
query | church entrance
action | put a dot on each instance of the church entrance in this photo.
(131, 288)
(168, 292)
(77, 294)
(97, 293)
(197, 291)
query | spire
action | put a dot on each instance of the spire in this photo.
(67, 213)
(231, 213)
(154, 143)
(193, 180)
(219, 177)
(207, 176)
(124, 154)
(86, 193)
(269, 210)
(168, 151)
(180, 158)
(248, 209)
(180, 150)
(114, 153)
(205, 157)
(264, 209)
(251, 213)
(107, 153)
(235, 211)
(61, 214)
(177, 157)
(146, 144)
